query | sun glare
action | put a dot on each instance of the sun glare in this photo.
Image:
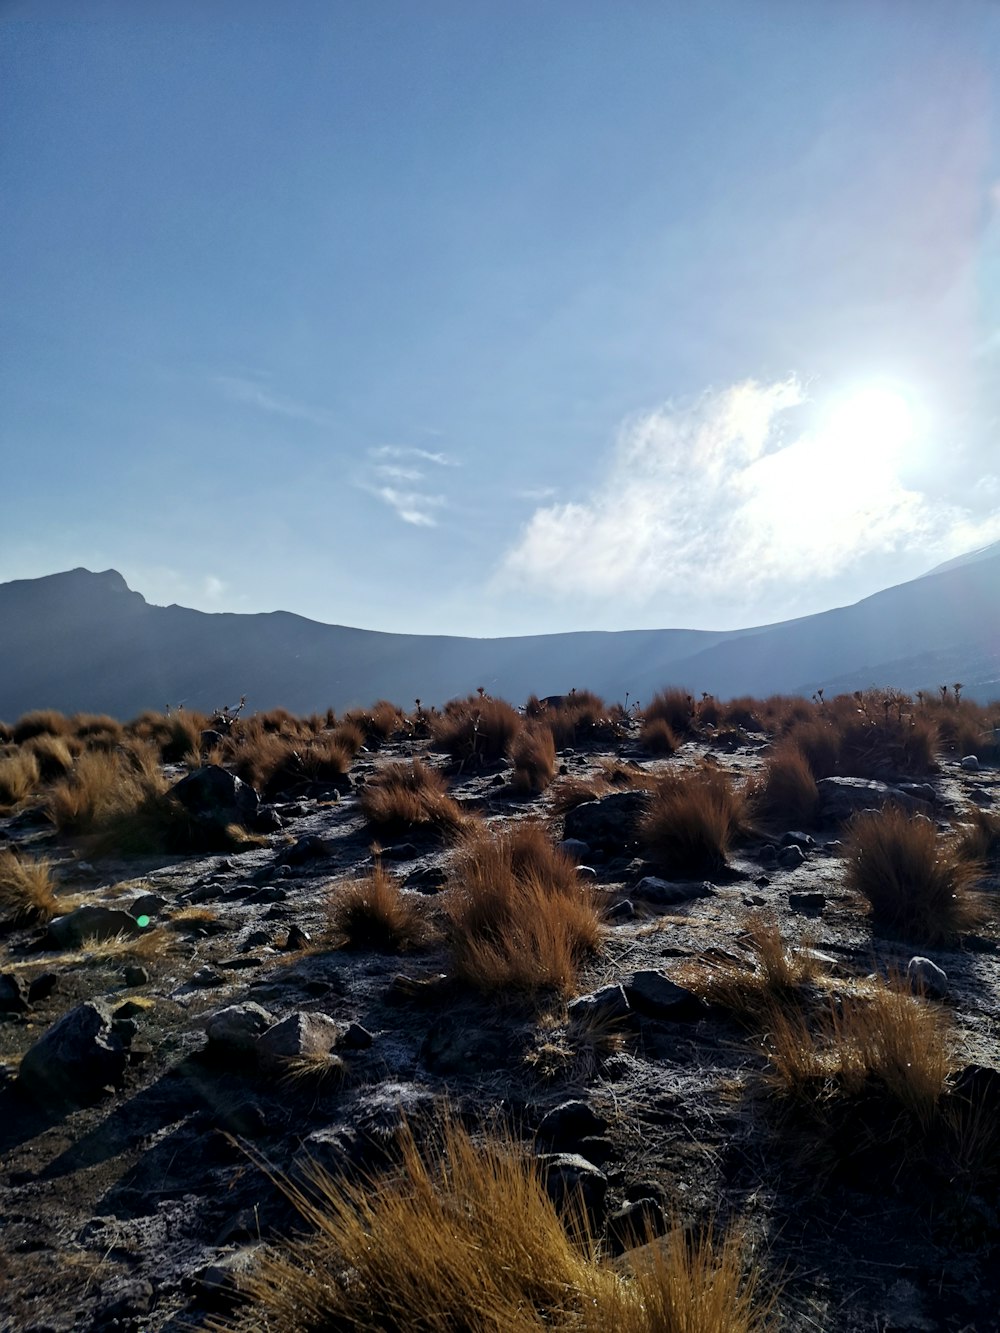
(871, 426)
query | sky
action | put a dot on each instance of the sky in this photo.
(500, 318)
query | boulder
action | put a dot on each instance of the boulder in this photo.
(607, 1005)
(569, 1122)
(570, 1180)
(970, 763)
(654, 994)
(299, 1036)
(811, 904)
(790, 857)
(77, 1058)
(839, 798)
(666, 893)
(13, 994)
(98, 923)
(609, 823)
(214, 796)
(236, 1028)
(926, 978)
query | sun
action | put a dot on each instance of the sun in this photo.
(871, 426)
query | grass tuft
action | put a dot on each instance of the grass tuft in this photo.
(27, 894)
(915, 882)
(534, 756)
(411, 798)
(20, 774)
(375, 913)
(694, 817)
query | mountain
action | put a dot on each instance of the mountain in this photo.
(80, 641)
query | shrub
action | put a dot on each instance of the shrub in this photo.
(692, 821)
(20, 774)
(464, 1236)
(657, 737)
(818, 741)
(520, 918)
(409, 798)
(375, 913)
(26, 889)
(673, 706)
(787, 791)
(55, 759)
(42, 722)
(534, 757)
(97, 728)
(476, 730)
(915, 883)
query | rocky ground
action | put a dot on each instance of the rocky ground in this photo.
(138, 1208)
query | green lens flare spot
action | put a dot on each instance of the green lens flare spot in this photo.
(142, 922)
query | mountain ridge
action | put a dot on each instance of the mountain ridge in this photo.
(85, 641)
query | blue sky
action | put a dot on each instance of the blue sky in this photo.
(500, 318)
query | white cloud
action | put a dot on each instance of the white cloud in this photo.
(243, 390)
(411, 506)
(214, 587)
(392, 472)
(406, 451)
(713, 501)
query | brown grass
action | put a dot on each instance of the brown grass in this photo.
(20, 774)
(673, 706)
(915, 882)
(54, 755)
(787, 790)
(533, 753)
(979, 840)
(27, 892)
(774, 978)
(574, 718)
(41, 722)
(476, 730)
(375, 913)
(97, 728)
(463, 1236)
(411, 798)
(692, 821)
(657, 736)
(520, 918)
(177, 735)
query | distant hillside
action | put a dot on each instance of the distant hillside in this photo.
(80, 641)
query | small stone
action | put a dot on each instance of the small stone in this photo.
(575, 849)
(297, 938)
(666, 893)
(566, 1124)
(13, 994)
(301, 1035)
(571, 1179)
(136, 975)
(400, 851)
(147, 904)
(206, 977)
(811, 904)
(427, 880)
(768, 855)
(623, 910)
(270, 893)
(926, 978)
(42, 987)
(607, 1005)
(970, 763)
(310, 848)
(356, 1038)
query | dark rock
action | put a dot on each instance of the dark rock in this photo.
(417, 990)
(795, 839)
(607, 1005)
(128, 1010)
(575, 849)
(570, 1180)
(356, 1038)
(212, 795)
(267, 820)
(790, 857)
(223, 1284)
(148, 904)
(100, 923)
(427, 880)
(270, 893)
(609, 823)
(297, 938)
(809, 903)
(652, 993)
(205, 978)
(13, 994)
(453, 1046)
(768, 855)
(839, 798)
(310, 848)
(236, 1028)
(623, 910)
(42, 987)
(136, 975)
(666, 893)
(565, 1125)
(635, 1223)
(255, 940)
(132, 1301)
(401, 851)
(970, 763)
(78, 1057)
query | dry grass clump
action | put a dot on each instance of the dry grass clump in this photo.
(97, 729)
(411, 798)
(177, 735)
(673, 706)
(375, 913)
(657, 736)
(692, 821)
(533, 754)
(963, 727)
(118, 801)
(818, 741)
(775, 978)
(979, 840)
(41, 722)
(20, 774)
(915, 882)
(54, 755)
(787, 789)
(520, 918)
(26, 890)
(744, 712)
(477, 730)
(573, 718)
(464, 1237)
(881, 1042)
